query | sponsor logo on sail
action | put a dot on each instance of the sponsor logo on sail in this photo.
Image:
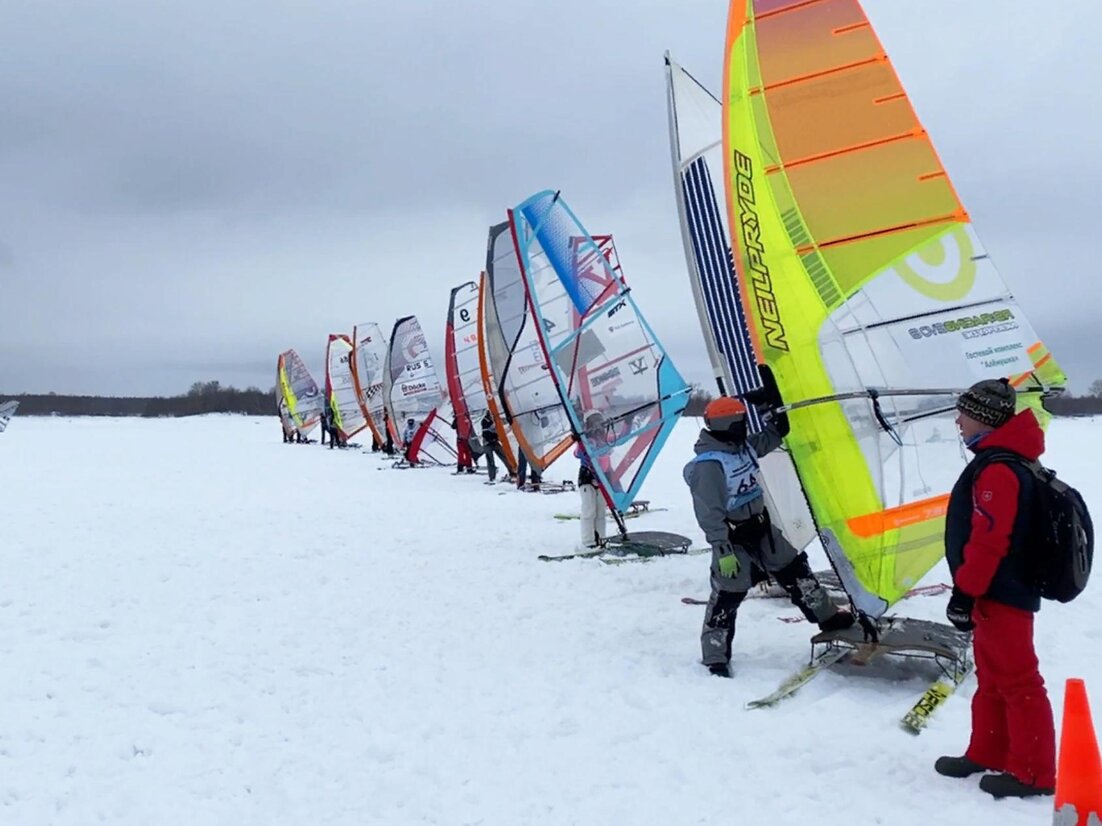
(761, 282)
(607, 375)
(971, 326)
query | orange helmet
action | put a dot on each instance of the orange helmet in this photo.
(722, 413)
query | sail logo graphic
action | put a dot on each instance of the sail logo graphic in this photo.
(761, 281)
(413, 345)
(969, 325)
(944, 269)
(601, 378)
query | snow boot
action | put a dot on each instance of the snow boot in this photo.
(838, 621)
(720, 670)
(1007, 785)
(958, 767)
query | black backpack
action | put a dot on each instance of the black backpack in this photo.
(1061, 540)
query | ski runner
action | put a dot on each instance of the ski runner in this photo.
(987, 536)
(730, 509)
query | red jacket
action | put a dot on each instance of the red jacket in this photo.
(995, 525)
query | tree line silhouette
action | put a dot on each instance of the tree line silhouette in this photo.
(203, 397)
(212, 397)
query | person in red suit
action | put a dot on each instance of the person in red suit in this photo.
(988, 525)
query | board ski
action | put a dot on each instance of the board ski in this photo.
(798, 679)
(620, 560)
(933, 698)
(611, 558)
(634, 510)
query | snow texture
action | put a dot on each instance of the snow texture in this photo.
(202, 625)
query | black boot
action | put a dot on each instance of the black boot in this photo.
(838, 621)
(958, 767)
(1007, 785)
(805, 591)
(720, 670)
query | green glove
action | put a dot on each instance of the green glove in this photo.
(728, 560)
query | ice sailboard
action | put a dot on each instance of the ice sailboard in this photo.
(7, 410)
(340, 387)
(462, 364)
(869, 295)
(532, 405)
(866, 291)
(491, 350)
(411, 388)
(300, 392)
(620, 393)
(369, 349)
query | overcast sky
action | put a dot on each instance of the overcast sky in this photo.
(188, 188)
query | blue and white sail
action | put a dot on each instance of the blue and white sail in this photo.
(620, 389)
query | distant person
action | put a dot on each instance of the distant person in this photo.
(533, 478)
(987, 542)
(324, 423)
(286, 423)
(388, 445)
(593, 508)
(491, 446)
(335, 438)
(407, 438)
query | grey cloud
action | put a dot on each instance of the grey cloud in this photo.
(189, 188)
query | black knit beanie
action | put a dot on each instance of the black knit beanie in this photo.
(989, 401)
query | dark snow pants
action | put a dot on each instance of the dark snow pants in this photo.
(762, 553)
(1012, 725)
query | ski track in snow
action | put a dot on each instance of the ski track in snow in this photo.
(202, 625)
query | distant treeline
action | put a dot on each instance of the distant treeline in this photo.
(212, 397)
(1067, 405)
(1075, 405)
(203, 397)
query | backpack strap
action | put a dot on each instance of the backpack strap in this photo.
(1009, 457)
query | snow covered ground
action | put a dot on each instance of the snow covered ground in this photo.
(202, 625)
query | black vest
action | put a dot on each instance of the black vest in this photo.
(1012, 584)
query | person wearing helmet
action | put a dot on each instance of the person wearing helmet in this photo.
(730, 508)
(593, 509)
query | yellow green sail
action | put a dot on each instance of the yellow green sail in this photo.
(866, 286)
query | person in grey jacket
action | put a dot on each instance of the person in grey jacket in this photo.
(746, 547)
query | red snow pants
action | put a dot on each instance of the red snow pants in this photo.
(463, 453)
(1012, 727)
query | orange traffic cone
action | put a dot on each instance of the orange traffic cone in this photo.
(1079, 771)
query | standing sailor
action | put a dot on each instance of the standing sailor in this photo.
(730, 509)
(592, 498)
(491, 445)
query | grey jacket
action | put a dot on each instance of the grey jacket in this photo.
(708, 483)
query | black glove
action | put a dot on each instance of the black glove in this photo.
(959, 610)
(758, 398)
